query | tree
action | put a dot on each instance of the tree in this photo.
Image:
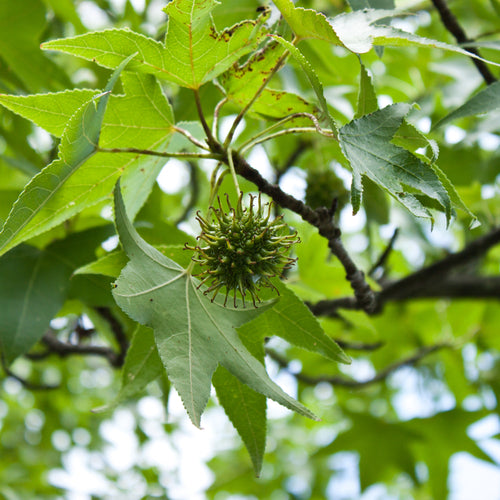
(192, 192)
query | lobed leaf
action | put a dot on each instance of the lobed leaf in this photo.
(365, 142)
(311, 75)
(245, 408)
(193, 335)
(243, 82)
(80, 178)
(294, 322)
(193, 53)
(484, 101)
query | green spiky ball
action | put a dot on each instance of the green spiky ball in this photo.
(242, 249)
(323, 187)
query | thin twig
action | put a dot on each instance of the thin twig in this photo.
(195, 192)
(215, 123)
(31, 386)
(287, 131)
(385, 254)
(317, 128)
(453, 26)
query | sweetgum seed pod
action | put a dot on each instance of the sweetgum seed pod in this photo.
(242, 249)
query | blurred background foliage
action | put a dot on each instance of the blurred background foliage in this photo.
(396, 438)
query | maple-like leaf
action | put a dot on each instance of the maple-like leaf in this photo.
(193, 53)
(193, 335)
(365, 142)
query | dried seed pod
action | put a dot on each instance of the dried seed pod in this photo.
(241, 249)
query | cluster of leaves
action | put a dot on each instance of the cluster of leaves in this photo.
(295, 87)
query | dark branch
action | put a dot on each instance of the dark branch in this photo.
(434, 281)
(385, 255)
(64, 349)
(358, 346)
(453, 26)
(433, 274)
(340, 381)
(31, 386)
(119, 334)
(322, 219)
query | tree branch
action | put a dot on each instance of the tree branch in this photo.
(385, 254)
(119, 334)
(322, 219)
(433, 281)
(436, 272)
(64, 349)
(340, 381)
(31, 386)
(453, 26)
(195, 192)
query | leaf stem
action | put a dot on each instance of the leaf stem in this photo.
(162, 154)
(215, 124)
(317, 127)
(211, 140)
(191, 138)
(233, 172)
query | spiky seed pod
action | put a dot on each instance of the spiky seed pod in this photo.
(323, 187)
(241, 249)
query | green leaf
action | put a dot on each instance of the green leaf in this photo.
(409, 137)
(455, 197)
(35, 284)
(194, 52)
(245, 407)
(307, 23)
(367, 99)
(436, 448)
(365, 143)
(110, 264)
(32, 289)
(20, 31)
(80, 177)
(384, 448)
(371, 4)
(142, 365)
(311, 75)
(243, 82)
(193, 335)
(50, 111)
(294, 322)
(483, 102)
(360, 30)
